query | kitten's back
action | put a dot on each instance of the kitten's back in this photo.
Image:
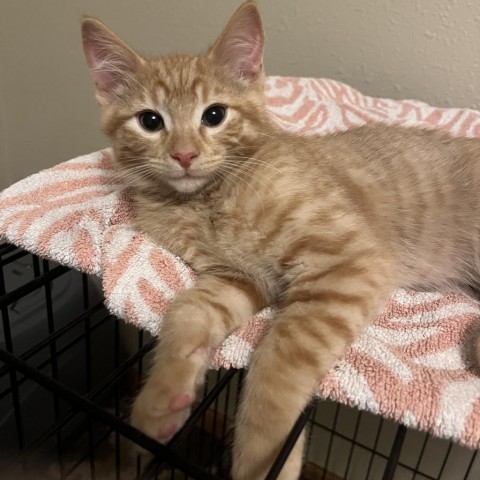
(415, 189)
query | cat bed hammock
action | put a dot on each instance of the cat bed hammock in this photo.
(411, 364)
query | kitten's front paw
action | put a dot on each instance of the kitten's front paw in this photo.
(158, 416)
(164, 403)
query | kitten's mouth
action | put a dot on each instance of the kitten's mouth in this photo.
(188, 183)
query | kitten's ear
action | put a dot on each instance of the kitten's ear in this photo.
(112, 63)
(240, 46)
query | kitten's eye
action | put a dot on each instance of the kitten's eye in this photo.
(151, 121)
(213, 115)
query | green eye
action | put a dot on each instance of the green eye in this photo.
(213, 115)
(151, 121)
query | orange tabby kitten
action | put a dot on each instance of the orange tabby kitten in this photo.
(325, 226)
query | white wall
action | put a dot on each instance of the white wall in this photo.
(425, 49)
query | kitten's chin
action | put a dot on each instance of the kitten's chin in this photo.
(188, 184)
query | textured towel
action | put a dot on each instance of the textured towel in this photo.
(410, 365)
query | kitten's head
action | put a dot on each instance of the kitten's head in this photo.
(180, 122)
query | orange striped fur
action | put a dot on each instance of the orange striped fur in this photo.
(324, 226)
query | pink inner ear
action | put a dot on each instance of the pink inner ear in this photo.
(241, 45)
(106, 69)
(107, 81)
(252, 61)
(110, 62)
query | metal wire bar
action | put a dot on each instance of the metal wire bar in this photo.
(329, 448)
(214, 427)
(96, 412)
(352, 446)
(7, 335)
(290, 443)
(55, 335)
(445, 460)
(420, 457)
(53, 358)
(36, 266)
(33, 285)
(116, 363)
(94, 445)
(60, 351)
(203, 406)
(6, 248)
(395, 453)
(97, 390)
(12, 258)
(470, 465)
(199, 411)
(374, 449)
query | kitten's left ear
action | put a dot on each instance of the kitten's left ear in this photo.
(240, 46)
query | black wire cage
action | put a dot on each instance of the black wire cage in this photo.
(68, 372)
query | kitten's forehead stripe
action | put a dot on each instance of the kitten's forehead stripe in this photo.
(179, 74)
(160, 89)
(179, 82)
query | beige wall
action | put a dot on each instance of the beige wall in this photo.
(426, 49)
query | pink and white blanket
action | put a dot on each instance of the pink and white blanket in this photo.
(412, 362)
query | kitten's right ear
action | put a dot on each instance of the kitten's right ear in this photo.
(112, 63)
(240, 46)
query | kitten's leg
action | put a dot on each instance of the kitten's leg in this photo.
(199, 319)
(324, 311)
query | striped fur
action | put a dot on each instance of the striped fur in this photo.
(325, 227)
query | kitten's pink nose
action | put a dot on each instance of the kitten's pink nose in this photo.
(184, 158)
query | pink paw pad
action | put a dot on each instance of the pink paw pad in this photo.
(180, 402)
(167, 432)
(198, 351)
